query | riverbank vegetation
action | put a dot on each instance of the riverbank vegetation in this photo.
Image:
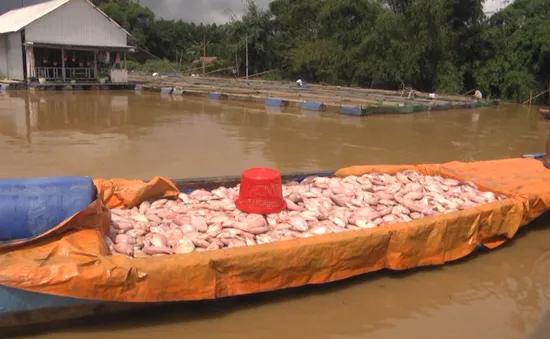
(448, 46)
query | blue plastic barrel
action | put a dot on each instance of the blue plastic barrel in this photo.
(352, 110)
(275, 102)
(166, 90)
(313, 106)
(216, 96)
(32, 206)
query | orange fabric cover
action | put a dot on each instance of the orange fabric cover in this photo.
(73, 262)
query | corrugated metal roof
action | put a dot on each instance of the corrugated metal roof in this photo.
(17, 19)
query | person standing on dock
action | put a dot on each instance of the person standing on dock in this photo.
(117, 61)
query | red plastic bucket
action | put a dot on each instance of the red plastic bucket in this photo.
(261, 191)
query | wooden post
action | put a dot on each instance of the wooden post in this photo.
(204, 54)
(125, 60)
(63, 64)
(95, 64)
(530, 98)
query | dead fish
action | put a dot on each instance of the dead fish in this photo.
(200, 243)
(159, 240)
(124, 248)
(157, 250)
(337, 200)
(298, 224)
(158, 203)
(204, 220)
(402, 178)
(144, 206)
(413, 196)
(140, 217)
(185, 246)
(199, 224)
(124, 239)
(320, 230)
(292, 206)
(134, 233)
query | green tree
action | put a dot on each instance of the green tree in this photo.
(431, 45)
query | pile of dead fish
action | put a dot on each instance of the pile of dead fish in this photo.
(204, 221)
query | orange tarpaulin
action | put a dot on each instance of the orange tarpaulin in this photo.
(74, 263)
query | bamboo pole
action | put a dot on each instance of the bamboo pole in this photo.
(536, 96)
(247, 56)
(220, 70)
(470, 91)
(204, 54)
(257, 74)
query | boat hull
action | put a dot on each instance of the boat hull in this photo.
(544, 113)
(536, 156)
(19, 307)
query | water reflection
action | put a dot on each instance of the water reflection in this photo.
(75, 111)
(12, 122)
(287, 138)
(273, 109)
(310, 114)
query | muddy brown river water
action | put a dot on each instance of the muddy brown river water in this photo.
(504, 293)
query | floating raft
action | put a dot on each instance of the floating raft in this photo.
(166, 90)
(72, 264)
(276, 102)
(217, 96)
(544, 113)
(177, 91)
(352, 110)
(385, 109)
(313, 106)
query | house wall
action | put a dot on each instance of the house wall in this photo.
(76, 23)
(11, 56)
(3, 56)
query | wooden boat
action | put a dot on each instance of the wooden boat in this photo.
(19, 307)
(441, 107)
(389, 109)
(536, 156)
(419, 108)
(353, 111)
(379, 109)
(404, 109)
(545, 113)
